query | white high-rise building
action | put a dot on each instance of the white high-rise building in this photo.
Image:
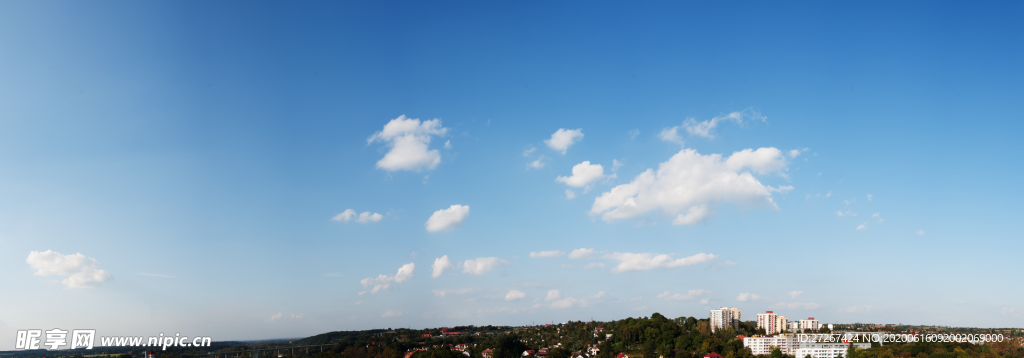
(769, 322)
(809, 324)
(725, 317)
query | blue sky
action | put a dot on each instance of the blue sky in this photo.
(175, 167)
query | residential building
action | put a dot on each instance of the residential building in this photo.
(810, 324)
(782, 323)
(725, 317)
(827, 350)
(768, 321)
(763, 345)
(790, 345)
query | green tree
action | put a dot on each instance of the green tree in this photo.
(559, 352)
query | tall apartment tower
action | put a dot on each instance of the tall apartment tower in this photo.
(725, 317)
(809, 324)
(769, 322)
(782, 324)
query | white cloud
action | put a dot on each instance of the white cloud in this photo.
(796, 152)
(448, 219)
(446, 292)
(537, 164)
(593, 265)
(704, 301)
(920, 232)
(862, 226)
(569, 194)
(633, 133)
(563, 138)
(583, 174)
(555, 253)
(448, 144)
(829, 195)
(565, 303)
(845, 213)
(441, 264)
(793, 294)
(706, 128)
(409, 140)
(382, 282)
(750, 297)
(274, 317)
(690, 295)
(646, 261)
(727, 263)
(482, 265)
(638, 298)
(694, 215)
(553, 295)
(671, 135)
(582, 253)
(514, 295)
(869, 197)
(392, 313)
(690, 180)
(363, 218)
(796, 305)
(616, 164)
(82, 271)
(528, 151)
(641, 308)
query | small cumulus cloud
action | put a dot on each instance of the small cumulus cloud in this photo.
(646, 261)
(537, 164)
(793, 294)
(447, 292)
(392, 313)
(920, 232)
(671, 135)
(583, 174)
(448, 219)
(81, 271)
(409, 140)
(563, 138)
(796, 152)
(553, 295)
(481, 265)
(582, 253)
(546, 254)
(441, 264)
(633, 133)
(382, 282)
(593, 265)
(569, 194)
(362, 218)
(706, 128)
(514, 295)
(862, 226)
